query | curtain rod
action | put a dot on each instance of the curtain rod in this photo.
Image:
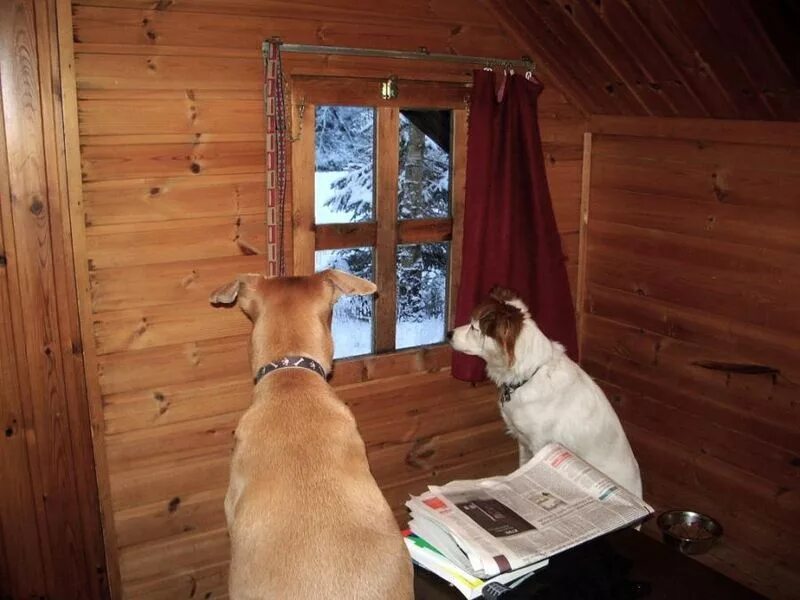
(422, 54)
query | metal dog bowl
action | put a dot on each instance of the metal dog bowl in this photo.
(688, 531)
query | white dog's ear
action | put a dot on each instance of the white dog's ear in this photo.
(503, 323)
(345, 284)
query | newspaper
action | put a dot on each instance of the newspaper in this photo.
(552, 503)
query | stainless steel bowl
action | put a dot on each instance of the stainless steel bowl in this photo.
(689, 531)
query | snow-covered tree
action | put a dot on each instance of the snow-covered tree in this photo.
(345, 142)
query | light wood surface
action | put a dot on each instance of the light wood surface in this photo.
(690, 323)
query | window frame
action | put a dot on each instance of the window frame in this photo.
(386, 231)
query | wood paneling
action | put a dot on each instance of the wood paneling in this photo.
(690, 323)
(52, 542)
(694, 58)
(170, 205)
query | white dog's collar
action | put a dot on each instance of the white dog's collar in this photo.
(507, 389)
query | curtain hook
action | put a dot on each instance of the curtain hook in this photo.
(528, 75)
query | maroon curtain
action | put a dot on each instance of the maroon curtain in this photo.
(510, 235)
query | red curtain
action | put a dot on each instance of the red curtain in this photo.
(510, 234)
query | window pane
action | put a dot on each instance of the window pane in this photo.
(353, 316)
(421, 293)
(424, 176)
(343, 184)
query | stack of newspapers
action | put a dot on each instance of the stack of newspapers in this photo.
(502, 529)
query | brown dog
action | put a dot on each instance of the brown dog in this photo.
(306, 518)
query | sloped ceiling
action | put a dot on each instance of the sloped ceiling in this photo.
(737, 59)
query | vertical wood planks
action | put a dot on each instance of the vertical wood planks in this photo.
(303, 157)
(42, 307)
(23, 569)
(386, 168)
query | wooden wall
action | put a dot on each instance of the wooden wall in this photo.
(51, 543)
(691, 323)
(169, 107)
(733, 59)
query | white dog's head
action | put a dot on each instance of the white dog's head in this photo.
(502, 333)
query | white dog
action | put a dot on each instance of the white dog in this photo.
(545, 397)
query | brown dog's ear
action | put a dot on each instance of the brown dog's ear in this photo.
(229, 293)
(226, 294)
(345, 284)
(502, 294)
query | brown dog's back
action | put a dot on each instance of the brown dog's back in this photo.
(305, 516)
(311, 508)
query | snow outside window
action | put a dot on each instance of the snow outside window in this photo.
(345, 193)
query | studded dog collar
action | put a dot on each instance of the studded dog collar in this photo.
(509, 388)
(290, 362)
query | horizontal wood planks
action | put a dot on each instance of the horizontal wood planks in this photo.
(691, 323)
(169, 112)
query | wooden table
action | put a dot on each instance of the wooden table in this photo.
(624, 565)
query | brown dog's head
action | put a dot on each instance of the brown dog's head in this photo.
(494, 327)
(291, 315)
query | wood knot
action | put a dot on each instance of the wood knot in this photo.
(420, 450)
(736, 368)
(162, 402)
(194, 168)
(174, 504)
(155, 191)
(190, 279)
(37, 206)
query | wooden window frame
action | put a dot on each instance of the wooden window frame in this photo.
(386, 232)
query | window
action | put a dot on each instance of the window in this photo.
(374, 195)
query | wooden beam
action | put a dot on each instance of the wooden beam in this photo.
(386, 168)
(583, 255)
(56, 56)
(420, 231)
(346, 235)
(302, 173)
(458, 190)
(752, 132)
(78, 220)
